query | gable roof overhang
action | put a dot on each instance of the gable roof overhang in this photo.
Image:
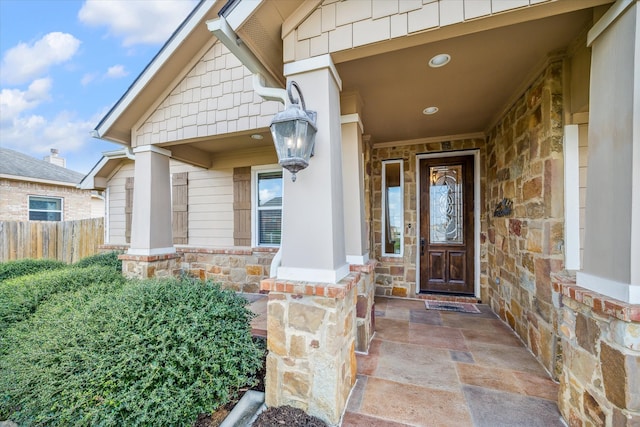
(98, 176)
(181, 47)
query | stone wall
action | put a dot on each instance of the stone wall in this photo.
(239, 269)
(396, 276)
(525, 166)
(365, 305)
(600, 376)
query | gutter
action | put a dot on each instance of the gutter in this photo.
(261, 76)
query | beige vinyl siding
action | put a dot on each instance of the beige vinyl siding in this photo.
(210, 205)
(117, 202)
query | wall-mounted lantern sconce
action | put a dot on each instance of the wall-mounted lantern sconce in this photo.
(294, 133)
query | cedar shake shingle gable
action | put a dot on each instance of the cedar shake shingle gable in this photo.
(18, 164)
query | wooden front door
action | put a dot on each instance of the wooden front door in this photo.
(446, 225)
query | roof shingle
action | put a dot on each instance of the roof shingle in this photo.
(18, 164)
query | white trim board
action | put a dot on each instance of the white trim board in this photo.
(625, 292)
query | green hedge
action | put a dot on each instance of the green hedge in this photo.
(151, 353)
(107, 259)
(23, 267)
(20, 296)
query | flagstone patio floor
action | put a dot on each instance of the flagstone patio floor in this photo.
(443, 368)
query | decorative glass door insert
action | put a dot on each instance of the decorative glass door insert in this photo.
(446, 219)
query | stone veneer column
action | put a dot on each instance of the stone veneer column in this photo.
(151, 249)
(600, 378)
(311, 363)
(311, 310)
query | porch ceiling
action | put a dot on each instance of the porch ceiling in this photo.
(486, 71)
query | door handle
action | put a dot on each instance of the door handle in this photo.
(422, 246)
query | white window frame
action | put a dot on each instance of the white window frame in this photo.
(384, 208)
(255, 172)
(29, 210)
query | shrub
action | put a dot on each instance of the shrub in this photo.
(23, 267)
(107, 259)
(152, 353)
(20, 297)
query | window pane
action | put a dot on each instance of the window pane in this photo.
(45, 203)
(394, 208)
(44, 216)
(270, 189)
(269, 226)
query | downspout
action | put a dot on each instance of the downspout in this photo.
(221, 29)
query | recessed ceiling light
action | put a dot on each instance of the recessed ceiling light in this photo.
(439, 60)
(430, 110)
(257, 136)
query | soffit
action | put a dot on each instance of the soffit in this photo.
(262, 33)
(485, 71)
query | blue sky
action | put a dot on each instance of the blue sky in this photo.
(65, 63)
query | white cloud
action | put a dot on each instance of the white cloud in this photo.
(25, 62)
(35, 134)
(116, 71)
(14, 101)
(137, 21)
(87, 78)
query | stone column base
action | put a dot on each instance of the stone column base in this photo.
(311, 333)
(365, 306)
(150, 266)
(600, 357)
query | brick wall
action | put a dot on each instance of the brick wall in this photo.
(525, 165)
(14, 200)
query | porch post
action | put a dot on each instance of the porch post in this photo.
(151, 252)
(311, 310)
(612, 211)
(356, 242)
(313, 243)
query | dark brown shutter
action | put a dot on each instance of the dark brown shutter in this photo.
(242, 206)
(180, 195)
(128, 208)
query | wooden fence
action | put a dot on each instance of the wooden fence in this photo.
(67, 241)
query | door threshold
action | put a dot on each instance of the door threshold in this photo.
(451, 298)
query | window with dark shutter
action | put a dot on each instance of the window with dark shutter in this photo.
(180, 206)
(128, 208)
(242, 206)
(269, 208)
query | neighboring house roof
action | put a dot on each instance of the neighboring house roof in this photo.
(15, 165)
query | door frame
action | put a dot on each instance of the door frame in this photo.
(476, 210)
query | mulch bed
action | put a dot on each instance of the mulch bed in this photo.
(287, 416)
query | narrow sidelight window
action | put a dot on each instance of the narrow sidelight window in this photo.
(392, 207)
